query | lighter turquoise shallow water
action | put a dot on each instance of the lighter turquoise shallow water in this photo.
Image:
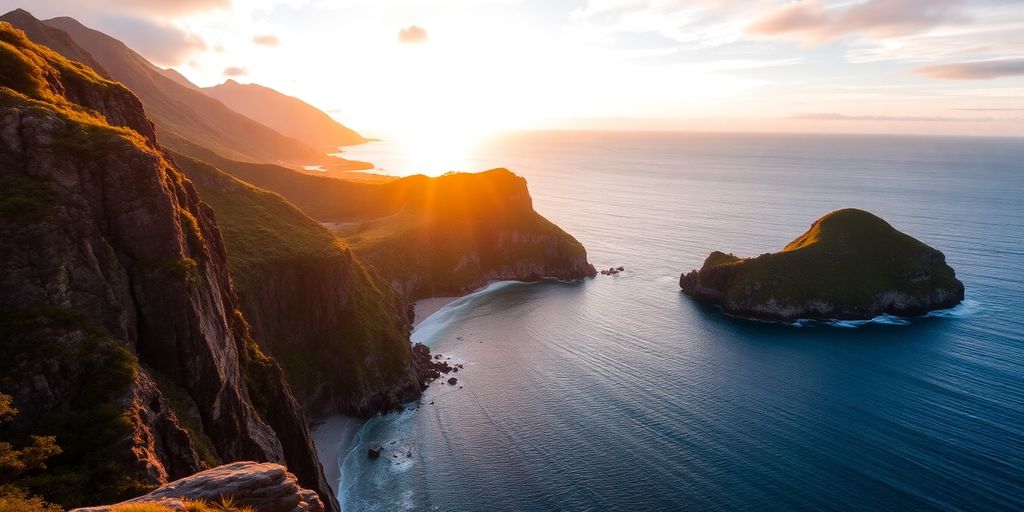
(619, 393)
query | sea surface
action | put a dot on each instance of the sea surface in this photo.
(620, 393)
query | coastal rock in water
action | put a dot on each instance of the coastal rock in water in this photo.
(849, 265)
(264, 487)
(374, 451)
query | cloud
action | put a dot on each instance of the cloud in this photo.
(235, 71)
(843, 117)
(266, 39)
(164, 44)
(974, 70)
(412, 35)
(812, 22)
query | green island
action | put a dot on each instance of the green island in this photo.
(850, 265)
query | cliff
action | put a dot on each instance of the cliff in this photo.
(259, 487)
(120, 328)
(849, 265)
(457, 232)
(341, 335)
(430, 236)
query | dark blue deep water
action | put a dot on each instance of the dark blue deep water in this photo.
(620, 393)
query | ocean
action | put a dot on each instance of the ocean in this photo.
(620, 393)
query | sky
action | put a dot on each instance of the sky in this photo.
(437, 68)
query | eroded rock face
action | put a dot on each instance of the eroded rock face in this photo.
(113, 278)
(264, 487)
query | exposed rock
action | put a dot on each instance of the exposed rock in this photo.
(428, 368)
(849, 265)
(374, 451)
(264, 487)
(113, 277)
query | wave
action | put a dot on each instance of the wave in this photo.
(430, 327)
(966, 308)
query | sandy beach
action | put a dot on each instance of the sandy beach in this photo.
(333, 440)
(426, 307)
(334, 436)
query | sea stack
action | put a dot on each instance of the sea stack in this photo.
(850, 265)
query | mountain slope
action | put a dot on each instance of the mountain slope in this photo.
(120, 328)
(182, 113)
(286, 114)
(312, 304)
(55, 39)
(431, 236)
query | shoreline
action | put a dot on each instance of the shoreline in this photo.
(333, 439)
(335, 436)
(424, 308)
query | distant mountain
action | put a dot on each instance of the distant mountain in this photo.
(181, 113)
(178, 77)
(57, 40)
(286, 114)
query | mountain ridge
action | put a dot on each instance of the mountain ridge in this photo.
(286, 114)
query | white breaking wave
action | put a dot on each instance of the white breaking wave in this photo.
(427, 331)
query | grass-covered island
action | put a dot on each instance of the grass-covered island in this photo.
(851, 265)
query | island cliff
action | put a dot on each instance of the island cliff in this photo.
(849, 265)
(121, 330)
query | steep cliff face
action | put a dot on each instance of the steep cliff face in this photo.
(457, 232)
(849, 265)
(116, 295)
(340, 333)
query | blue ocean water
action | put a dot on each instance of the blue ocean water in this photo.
(620, 393)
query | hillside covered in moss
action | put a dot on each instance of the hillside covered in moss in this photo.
(850, 264)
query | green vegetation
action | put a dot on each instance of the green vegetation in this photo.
(260, 228)
(15, 463)
(226, 504)
(846, 259)
(27, 71)
(183, 269)
(180, 403)
(92, 424)
(25, 198)
(455, 229)
(268, 239)
(16, 499)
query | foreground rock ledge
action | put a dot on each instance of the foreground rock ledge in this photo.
(265, 487)
(851, 265)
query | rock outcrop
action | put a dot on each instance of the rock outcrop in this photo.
(850, 265)
(455, 233)
(263, 487)
(121, 329)
(340, 333)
